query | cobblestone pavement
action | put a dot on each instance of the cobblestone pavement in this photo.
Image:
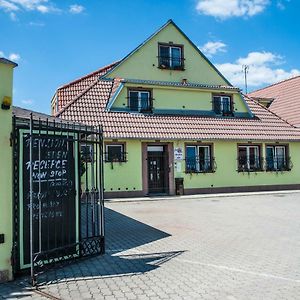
(212, 248)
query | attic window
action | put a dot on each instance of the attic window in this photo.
(170, 56)
(140, 100)
(222, 105)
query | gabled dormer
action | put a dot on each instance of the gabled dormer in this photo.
(168, 55)
(168, 74)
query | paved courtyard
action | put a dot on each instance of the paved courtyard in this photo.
(237, 247)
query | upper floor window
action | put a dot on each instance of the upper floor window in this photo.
(222, 105)
(249, 158)
(277, 158)
(139, 100)
(115, 153)
(170, 56)
(198, 158)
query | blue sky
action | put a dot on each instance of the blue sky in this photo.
(55, 41)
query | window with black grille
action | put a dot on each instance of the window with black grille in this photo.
(277, 158)
(222, 105)
(198, 159)
(140, 100)
(170, 56)
(115, 153)
(249, 158)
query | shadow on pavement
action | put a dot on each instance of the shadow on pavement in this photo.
(121, 233)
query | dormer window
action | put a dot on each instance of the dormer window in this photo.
(222, 105)
(140, 100)
(170, 56)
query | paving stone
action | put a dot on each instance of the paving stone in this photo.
(233, 248)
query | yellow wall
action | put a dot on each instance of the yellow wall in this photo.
(176, 98)
(129, 174)
(125, 176)
(6, 75)
(226, 174)
(143, 64)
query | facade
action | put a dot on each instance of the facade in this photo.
(282, 98)
(172, 123)
(6, 169)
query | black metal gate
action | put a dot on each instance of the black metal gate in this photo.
(58, 193)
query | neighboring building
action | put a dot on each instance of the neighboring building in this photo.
(168, 113)
(6, 168)
(282, 98)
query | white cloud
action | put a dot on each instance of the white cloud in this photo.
(7, 5)
(231, 8)
(14, 57)
(263, 69)
(76, 9)
(27, 102)
(212, 48)
(14, 6)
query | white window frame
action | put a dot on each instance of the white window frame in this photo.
(206, 159)
(275, 154)
(170, 54)
(222, 103)
(256, 153)
(139, 98)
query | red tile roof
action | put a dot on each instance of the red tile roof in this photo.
(89, 107)
(75, 88)
(286, 96)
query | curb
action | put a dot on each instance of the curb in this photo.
(201, 196)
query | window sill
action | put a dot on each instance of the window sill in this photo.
(171, 69)
(279, 170)
(200, 172)
(250, 171)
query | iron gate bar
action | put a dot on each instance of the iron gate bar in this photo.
(63, 249)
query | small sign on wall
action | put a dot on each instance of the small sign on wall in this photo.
(178, 153)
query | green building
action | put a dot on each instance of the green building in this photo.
(172, 123)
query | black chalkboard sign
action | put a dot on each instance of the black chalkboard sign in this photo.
(54, 195)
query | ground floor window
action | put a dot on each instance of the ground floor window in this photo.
(276, 157)
(198, 158)
(115, 152)
(249, 158)
(86, 152)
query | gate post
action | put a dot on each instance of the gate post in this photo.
(6, 170)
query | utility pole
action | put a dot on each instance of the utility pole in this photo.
(245, 70)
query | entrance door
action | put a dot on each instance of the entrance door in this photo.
(157, 170)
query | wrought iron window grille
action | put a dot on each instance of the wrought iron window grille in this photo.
(172, 63)
(138, 104)
(223, 110)
(199, 164)
(120, 157)
(255, 164)
(278, 164)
